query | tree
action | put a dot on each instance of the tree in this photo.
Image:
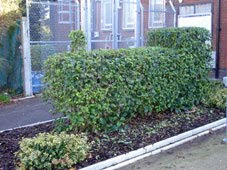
(10, 11)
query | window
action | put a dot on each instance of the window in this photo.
(156, 13)
(106, 11)
(65, 16)
(203, 8)
(187, 10)
(195, 9)
(129, 13)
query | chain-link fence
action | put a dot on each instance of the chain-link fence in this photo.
(50, 24)
(106, 23)
(124, 23)
(112, 23)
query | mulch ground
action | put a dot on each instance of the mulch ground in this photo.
(137, 133)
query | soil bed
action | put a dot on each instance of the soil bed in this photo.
(139, 132)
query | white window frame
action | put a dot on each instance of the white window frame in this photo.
(104, 25)
(195, 12)
(152, 22)
(127, 4)
(62, 12)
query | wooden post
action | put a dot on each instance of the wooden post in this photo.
(27, 75)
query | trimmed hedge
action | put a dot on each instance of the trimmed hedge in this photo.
(193, 38)
(103, 89)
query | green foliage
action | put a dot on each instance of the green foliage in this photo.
(217, 95)
(10, 11)
(189, 37)
(4, 98)
(194, 41)
(46, 151)
(78, 40)
(11, 60)
(101, 90)
(3, 62)
(39, 54)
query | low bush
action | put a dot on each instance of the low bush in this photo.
(4, 98)
(47, 151)
(217, 95)
(102, 89)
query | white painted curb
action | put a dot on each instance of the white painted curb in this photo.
(128, 158)
(22, 98)
(30, 125)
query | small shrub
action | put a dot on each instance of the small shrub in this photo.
(4, 98)
(47, 151)
(78, 40)
(217, 96)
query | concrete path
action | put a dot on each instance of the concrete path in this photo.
(24, 112)
(205, 153)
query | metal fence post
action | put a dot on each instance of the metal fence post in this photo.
(87, 22)
(174, 11)
(115, 26)
(27, 75)
(142, 24)
(138, 24)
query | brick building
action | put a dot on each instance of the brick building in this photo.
(155, 14)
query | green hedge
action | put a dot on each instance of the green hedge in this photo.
(103, 89)
(186, 37)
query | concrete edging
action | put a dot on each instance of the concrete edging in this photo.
(30, 125)
(133, 156)
(23, 98)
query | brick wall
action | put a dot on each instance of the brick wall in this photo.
(223, 37)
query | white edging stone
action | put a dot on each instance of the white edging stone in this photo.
(23, 98)
(30, 125)
(128, 158)
(33, 124)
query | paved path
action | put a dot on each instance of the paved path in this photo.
(206, 153)
(24, 112)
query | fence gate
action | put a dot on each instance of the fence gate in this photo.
(108, 24)
(49, 26)
(112, 23)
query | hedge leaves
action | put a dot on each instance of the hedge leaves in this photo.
(102, 89)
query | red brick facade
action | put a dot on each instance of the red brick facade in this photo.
(223, 39)
(129, 33)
